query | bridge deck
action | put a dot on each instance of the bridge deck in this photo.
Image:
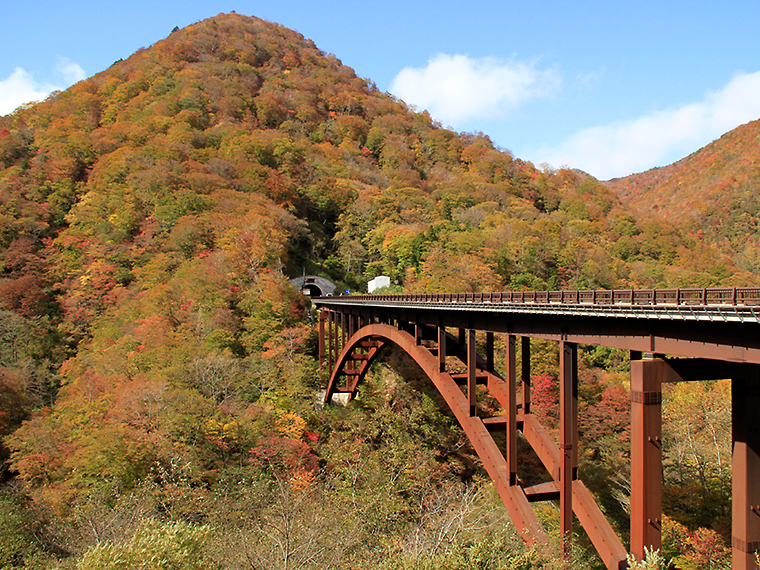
(662, 311)
(718, 323)
(716, 329)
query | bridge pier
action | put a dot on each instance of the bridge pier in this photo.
(568, 398)
(745, 394)
(647, 377)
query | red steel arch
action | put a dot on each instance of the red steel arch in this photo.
(361, 348)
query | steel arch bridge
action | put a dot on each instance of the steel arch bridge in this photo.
(673, 335)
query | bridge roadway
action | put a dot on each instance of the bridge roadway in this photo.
(673, 335)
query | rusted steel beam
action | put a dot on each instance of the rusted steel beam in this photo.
(542, 444)
(568, 400)
(441, 348)
(745, 395)
(321, 343)
(698, 369)
(463, 379)
(602, 536)
(495, 423)
(511, 408)
(472, 372)
(330, 347)
(343, 331)
(646, 454)
(543, 492)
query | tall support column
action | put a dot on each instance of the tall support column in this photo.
(348, 332)
(745, 395)
(511, 378)
(525, 373)
(351, 325)
(321, 342)
(568, 397)
(646, 454)
(330, 345)
(471, 371)
(441, 348)
(489, 352)
(343, 332)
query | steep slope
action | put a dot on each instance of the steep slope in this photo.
(151, 349)
(152, 214)
(713, 193)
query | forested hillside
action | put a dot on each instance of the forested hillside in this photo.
(711, 194)
(157, 372)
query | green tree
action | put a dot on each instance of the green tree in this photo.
(155, 546)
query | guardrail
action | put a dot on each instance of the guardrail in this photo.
(714, 296)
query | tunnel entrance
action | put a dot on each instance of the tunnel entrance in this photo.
(313, 286)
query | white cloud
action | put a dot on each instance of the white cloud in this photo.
(457, 88)
(625, 147)
(21, 87)
(70, 71)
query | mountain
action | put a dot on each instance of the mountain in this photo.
(155, 365)
(714, 194)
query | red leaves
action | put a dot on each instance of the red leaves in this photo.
(311, 436)
(610, 416)
(283, 454)
(23, 295)
(288, 342)
(544, 394)
(700, 548)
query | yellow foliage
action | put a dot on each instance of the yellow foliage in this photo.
(290, 425)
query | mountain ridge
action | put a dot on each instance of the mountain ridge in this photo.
(712, 191)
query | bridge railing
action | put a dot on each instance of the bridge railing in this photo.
(710, 296)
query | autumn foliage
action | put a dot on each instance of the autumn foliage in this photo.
(156, 366)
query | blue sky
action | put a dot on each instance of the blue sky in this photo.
(611, 88)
